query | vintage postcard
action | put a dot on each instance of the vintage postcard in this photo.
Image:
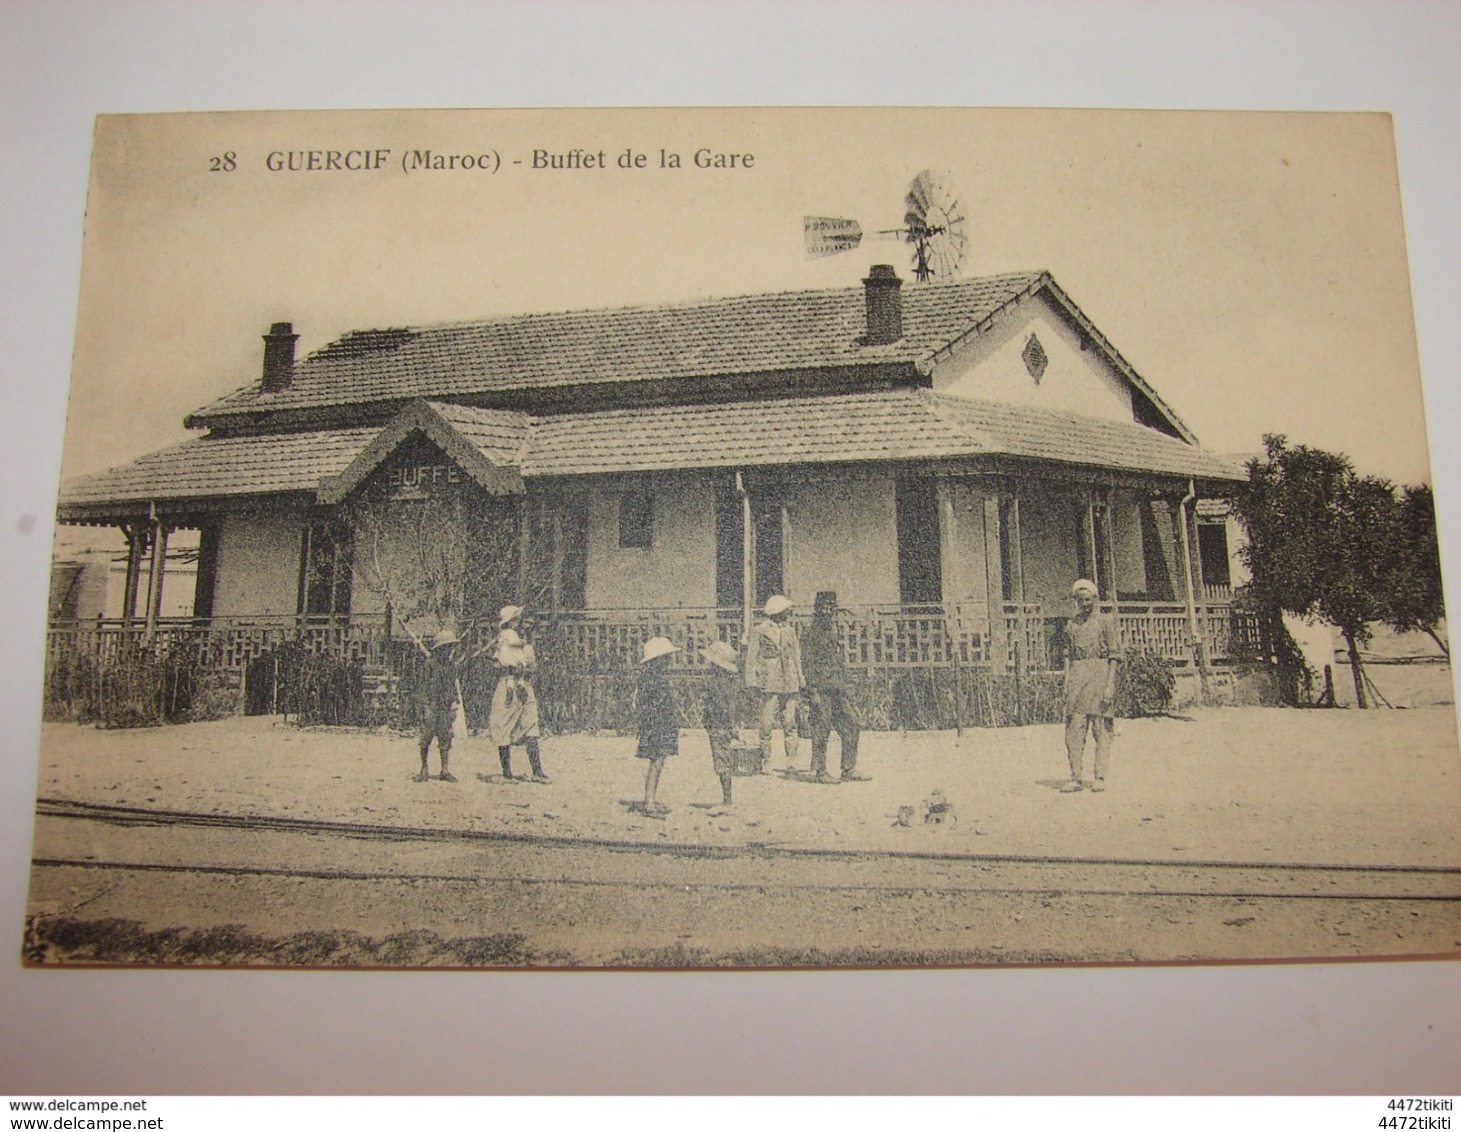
(745, 538)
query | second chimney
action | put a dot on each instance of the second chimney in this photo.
(884, 291)
(279, 356)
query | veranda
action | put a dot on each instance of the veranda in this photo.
(941, 665)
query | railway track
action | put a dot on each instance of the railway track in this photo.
(227, 844)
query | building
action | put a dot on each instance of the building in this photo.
(947, 457)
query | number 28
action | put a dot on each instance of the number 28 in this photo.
(226, 163)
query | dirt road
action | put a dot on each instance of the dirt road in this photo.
(327, 893)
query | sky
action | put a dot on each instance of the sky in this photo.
(1251, 266)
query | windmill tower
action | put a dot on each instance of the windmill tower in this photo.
(933, 227)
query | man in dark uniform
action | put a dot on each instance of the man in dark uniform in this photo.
(824, 668)
(439, 698)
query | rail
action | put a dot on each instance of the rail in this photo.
(229, 643)
(606, 641)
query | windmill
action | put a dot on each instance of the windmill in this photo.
(933, 225)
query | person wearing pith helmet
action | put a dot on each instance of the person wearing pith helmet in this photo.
(720, 703)
(659, 719)
(514, 715)
(439, 699)
(774, 667)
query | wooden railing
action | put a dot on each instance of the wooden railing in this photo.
(220, 642)
(605, 641)
(880, 637)
(613, 640)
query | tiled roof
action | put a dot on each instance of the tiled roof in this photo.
(899, 425)
(749, 334)
(500, 436)
(804, 430)
(1043, 434)
(854, 428)
(488, 444)
(222, 466)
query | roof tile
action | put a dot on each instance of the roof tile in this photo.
(748, 334)
(882, 426)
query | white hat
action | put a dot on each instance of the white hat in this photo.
(1085, 586)
(656, 647)
(508, 613)
(444, 637)
(721, 655)
(776, 604)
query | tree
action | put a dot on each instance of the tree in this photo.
(1415, 599)
(1321, 541)
(437, 558)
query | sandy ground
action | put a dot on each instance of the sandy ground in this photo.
(1004, 882)
(1230, 784)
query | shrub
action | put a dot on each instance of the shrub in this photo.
(1146, 686)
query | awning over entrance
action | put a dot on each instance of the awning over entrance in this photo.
(323, 465)
(487, 444)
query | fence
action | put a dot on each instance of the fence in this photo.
(898, 637)
(912, 666)
(116, 673)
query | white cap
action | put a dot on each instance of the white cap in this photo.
(444, 637)
(776, 604)
(656, 647)
(1085, 586)
(507, 613)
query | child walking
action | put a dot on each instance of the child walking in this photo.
(720, 699)
(659, 723)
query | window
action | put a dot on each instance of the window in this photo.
(730, 540)
(636, 520)
(207, 572)
(1007, 535)
(573, 577)
(326, 568)
(1212, 546)
(1090, 537)
(1157, 553)
(920, 570)
(768, 531)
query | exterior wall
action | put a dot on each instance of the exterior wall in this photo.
(79, 587)
(258, 564)
(676, 570)
(990, 367)
(1130, 555)
(966, 567)
(364, 599)
(843, 537)
(1048, 526)
(1048, 530)
(1237, 540)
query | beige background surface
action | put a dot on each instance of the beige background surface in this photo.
(1358, 1027)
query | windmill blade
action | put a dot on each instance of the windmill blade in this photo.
(935, 220)
(921, 193)
(828, 235)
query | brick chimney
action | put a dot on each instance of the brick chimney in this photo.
(279, 357)
(884, 291)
